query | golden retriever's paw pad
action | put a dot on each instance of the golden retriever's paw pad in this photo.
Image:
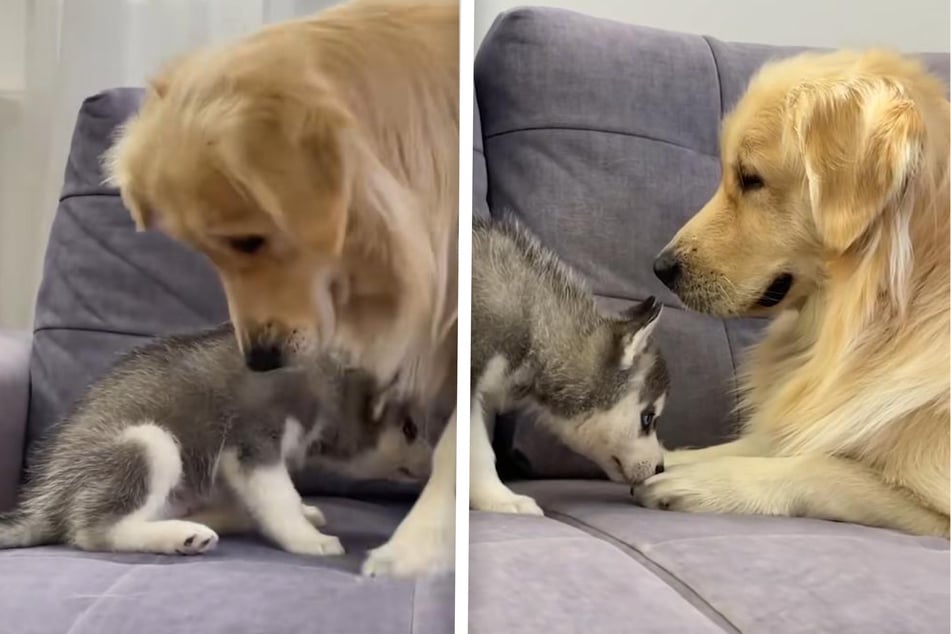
(408, 556)
(676, 490)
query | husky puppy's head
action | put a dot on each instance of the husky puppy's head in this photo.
(394, 445)
(612, 418)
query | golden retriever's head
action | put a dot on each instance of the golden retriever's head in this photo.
(816, 159)
(246, 162)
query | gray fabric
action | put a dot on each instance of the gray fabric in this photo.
(602, 138)
(14, 401)
(480, 180)
(106, 288)
(534, 574)
(756, 575)
(245, 586)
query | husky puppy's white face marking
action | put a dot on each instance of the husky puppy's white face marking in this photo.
(395, 457)
(401, 452)
(620, 435)
(622, 440)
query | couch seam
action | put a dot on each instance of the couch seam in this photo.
(636, 135)
(672, 581)
(89, 608)
(77, 222)
(106, 331)
(736, 380)
(108, 193)
(412, 612)
(716, 67)
(477, 114)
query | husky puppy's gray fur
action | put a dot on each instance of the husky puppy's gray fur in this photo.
(179, 441)
(539, 344)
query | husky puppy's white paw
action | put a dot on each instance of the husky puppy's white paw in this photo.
(502, 500)
(167, 537)
(200, 539)
(314, 544)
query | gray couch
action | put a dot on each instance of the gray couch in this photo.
(105, 289)
(602, 137)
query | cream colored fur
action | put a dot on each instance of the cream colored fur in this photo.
(846, 400)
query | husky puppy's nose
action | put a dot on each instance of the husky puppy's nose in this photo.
(659, 469)
(667, 269)
(263, 358)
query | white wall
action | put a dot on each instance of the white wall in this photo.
(909, 25)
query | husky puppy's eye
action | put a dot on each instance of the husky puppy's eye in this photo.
(409, 429)
(647, 421)
(749, 181)
(246, 244)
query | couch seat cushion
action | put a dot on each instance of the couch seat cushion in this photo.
(608, 564)
(245, 586)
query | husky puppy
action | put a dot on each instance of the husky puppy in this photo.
(539, 344)
(180, 441)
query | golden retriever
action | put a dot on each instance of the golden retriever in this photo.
(315, 163)
(832, 215)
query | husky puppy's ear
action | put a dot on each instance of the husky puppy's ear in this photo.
(635, 327)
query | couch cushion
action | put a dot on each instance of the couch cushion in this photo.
(757, 575)
(245, 586)
(106, 287)
(516, 585)
(480, 182)
(602, 138)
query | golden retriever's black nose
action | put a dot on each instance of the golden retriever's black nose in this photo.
(263, 358)
(659, 469)
(667, 269)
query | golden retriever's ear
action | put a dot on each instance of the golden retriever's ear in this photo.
(142, 216)
(115, 166)
(289, 150)
(318, 129)
(157, 85)
(861, 140)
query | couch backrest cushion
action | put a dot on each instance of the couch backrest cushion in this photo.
(106, 288)
(603, 138)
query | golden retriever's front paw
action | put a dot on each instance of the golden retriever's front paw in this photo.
(419, 551)
(696, 488)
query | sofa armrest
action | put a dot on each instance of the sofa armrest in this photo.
(14, 402)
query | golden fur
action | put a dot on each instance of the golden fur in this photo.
(334, 140)
(835, 170)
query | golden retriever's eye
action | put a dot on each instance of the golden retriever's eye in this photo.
(750, 182)
(246, 244)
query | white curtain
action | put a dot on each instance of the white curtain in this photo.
(71, 50)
